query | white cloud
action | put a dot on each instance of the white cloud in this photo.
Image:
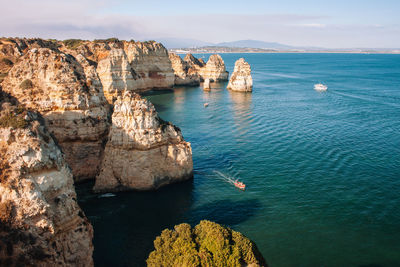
(90, 19)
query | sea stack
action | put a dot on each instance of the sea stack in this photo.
(206, 85)
(190, 70)
(241, 79)
(143, 152)
(183, 74)
(214, 69)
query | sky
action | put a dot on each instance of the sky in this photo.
(329, 24)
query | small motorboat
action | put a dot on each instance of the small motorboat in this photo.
(240, 185)
(320, 87)
(205, 105)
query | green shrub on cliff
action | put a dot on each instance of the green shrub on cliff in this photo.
(208, 244)
(26, 84)
(72, 43)
(13, 120)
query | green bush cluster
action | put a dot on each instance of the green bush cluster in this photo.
(72, 43)
(109, 40)
(207, 244)
(13, 120)
(26, 84)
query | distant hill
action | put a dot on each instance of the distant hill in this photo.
(182, 42)
(256, 44)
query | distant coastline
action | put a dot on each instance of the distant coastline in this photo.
(227, 50)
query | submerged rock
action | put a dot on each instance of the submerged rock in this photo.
(41, 223)
(241, 79)
(207, 244)
(143, 151)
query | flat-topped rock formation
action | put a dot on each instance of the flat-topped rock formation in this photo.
(132, 66)
(183, 74)
(41, 223)
(241, 79)
(190, 67)
(143, 152)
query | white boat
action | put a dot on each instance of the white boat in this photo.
(320, 87)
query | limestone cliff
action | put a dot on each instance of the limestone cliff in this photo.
(41, 223)
(183, 76)
(241, 79)
(72, 84)
(68, 93)
(122, 65)
(143, 152)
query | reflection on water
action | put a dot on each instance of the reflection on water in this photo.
(241, 111)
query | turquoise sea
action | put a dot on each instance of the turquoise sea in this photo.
(322, 169)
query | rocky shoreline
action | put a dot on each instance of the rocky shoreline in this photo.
(70, 112)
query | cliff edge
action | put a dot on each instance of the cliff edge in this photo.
(41, 223)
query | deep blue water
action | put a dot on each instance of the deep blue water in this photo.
(322, 169)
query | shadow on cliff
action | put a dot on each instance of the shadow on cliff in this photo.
(226, 212)
(127, 224)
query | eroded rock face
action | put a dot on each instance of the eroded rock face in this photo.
(132, 66)
(214, 70)
(183, 76)
(143, 152)
(73, 84)
(41, 223)
(68, 93)
(241, 79)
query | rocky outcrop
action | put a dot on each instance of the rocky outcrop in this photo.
(190, 67)
(241, 79)
(68, 93)
(73, 82)
(207, 244)
(41, 223)
(206, 85)
(132, 66)
(214, 69)
(143, 152)
(183, 74)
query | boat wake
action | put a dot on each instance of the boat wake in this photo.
(231, 180)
